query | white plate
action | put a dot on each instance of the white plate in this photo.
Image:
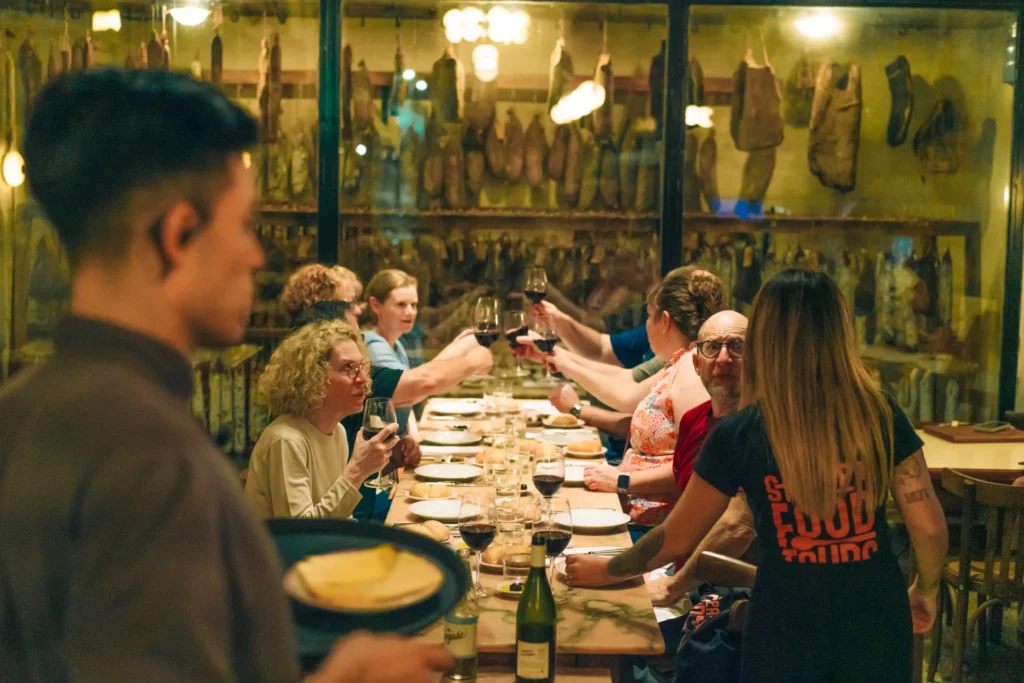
(595, 519)
(574, 475)
(449, 472)
(548, 422)
(457, 408)
(450, 496)
(451, 438)
(441, 510)
(564, 438)
(578, 454)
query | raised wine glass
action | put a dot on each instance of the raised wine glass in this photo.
(545, 339)
(556, 529)
(515, 327)
(549, 472)
(535, 284)
(377, 414)
(486, 321)
(478, 524)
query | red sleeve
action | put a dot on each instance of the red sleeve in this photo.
(693, 430)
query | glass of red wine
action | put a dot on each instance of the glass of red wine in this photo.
(515, 327)
(555, 528)
(549, 472)
(545, 339)
(377, 414)
(535, 284)
(478, 524)
(485, 321)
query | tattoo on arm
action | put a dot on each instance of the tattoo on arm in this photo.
(909, 470)
(916, 496)
(634, 561)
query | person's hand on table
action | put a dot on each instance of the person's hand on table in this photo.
(364, 658)
(368, 457)
(922, 608)
(588, 570)
(406, 453)
(664, 592)
(563, 397)
(601, 478)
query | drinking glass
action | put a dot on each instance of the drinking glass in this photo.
(549, 472)
(507, 480)
(535, 284)
(515, 326)
(514, 545)
(545, 340)
(377, 414)
(478, 524)
(556, 529)
(486, 321)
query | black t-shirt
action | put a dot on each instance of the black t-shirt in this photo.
(737, 455)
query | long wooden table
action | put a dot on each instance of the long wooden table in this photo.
(1001, 462)
(595, 625)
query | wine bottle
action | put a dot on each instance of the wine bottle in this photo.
(535, 623)
(460, 631)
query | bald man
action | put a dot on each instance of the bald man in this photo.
(719, 364)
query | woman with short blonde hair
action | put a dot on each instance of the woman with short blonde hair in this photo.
(301, 465)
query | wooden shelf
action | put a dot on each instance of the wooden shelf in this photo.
(940, 364)
(910, 227)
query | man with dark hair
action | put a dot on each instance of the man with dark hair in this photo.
(126, 550)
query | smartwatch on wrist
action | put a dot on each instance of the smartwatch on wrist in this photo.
(576, 410)
(623, 484)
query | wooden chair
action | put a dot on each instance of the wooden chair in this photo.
(997, 577)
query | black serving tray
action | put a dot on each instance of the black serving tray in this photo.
(317, 628)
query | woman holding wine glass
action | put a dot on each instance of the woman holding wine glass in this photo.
(301, 466)
(379, 414)
(478, 525)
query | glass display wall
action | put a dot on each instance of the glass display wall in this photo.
(456, 168)
(873, 144)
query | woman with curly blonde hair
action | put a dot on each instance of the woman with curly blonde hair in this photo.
(316, 286)
(301, 465)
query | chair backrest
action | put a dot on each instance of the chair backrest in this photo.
(725, 571)
(1002, 506)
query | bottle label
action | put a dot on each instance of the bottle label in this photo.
(532, 660)
(460, 637)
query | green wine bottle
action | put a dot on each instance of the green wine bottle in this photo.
(460, 632)
(535, 623)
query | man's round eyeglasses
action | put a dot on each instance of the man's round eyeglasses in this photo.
(711, 348)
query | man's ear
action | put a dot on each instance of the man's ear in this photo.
(178, 229)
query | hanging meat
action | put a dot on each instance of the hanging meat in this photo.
(691, 188)
(561, 76)
(556, 157)
(447, 83)
(629, 166)
(602, 116)
(481, 108)
(656, 86)
(410, 157)
(362, 98)
(196, 68)
(494, 149)
(608, 178)
(590, 168)
(756, 117)
(346, 92)
(275, 88)
(399, 86)
(433, 166)
(217, 59)
(30, 67)
(515, 148)
(454, 169)
(835, 126)
(475, 162)
(90, 50)
(154, 51)
(64, 41)
(142, 62)
(573, 165)
(536, 152)
(647, 172)
(78, 55)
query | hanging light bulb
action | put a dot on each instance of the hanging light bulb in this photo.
(106, 21)
(190, 14)
(519, 27)
(409, 74)
(499, 24)
(421, 85)
(587, 97)
(818, 26)
(14, 168)
(473, 24)
(485, 62)
(361, 149)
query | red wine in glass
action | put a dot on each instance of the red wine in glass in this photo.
(556, 540)
(546, 345)
(548, 484)
(478, 535)
(512, 335)
(486, 336)
(535, 295)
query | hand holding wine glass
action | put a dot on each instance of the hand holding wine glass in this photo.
(478, 524)
(535, 284)
(545, 338)
(379, 429)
